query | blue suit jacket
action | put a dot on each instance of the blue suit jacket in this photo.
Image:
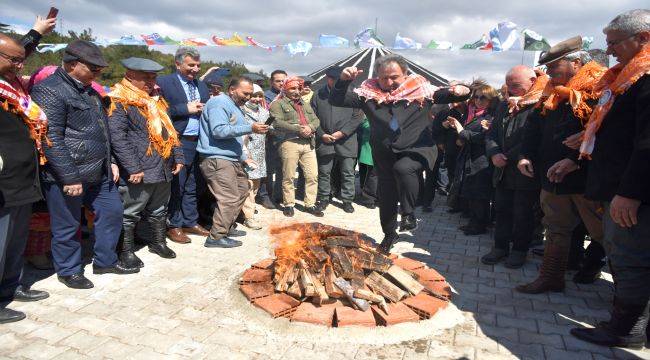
(172, 91)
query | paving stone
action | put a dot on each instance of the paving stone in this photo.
(476, 342)
(40, 350)
(521, 351)
(528, 337)
(518, 323)
(83, 342)
(574, 344)
(555, 353)
(51, 333)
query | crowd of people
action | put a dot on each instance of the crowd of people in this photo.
(559, 152)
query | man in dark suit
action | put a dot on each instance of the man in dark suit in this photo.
(336, 140)
(186, 95)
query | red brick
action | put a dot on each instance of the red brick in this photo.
(257, 290)
(264, 264)
(440, 288)
(425, 305)
(397, 313)
(408, 264)
(310, 313)
(347, 316)
(256, 275)
(428, 275)
(277, 305)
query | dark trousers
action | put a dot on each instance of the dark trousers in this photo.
(515, 218)
(479, 212)
(65, 213)
(14, 228)
(399, 180)
(434, 179)
(228, 182)
(628, 250)
(345, 174)
(273, 187)
(183, 205)
(143, 199)
(368, 181)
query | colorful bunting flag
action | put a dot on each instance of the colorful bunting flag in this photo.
(586, 42)
(51, 47)
(333, 41)
(153, 39)
(534, 41)
(195, 42)
(252, 42)
(482, 44)
(235, 40)
(505, 37)
(405, 43)
(367, 38)
(128, 40)
(440, 45)
(299, 47)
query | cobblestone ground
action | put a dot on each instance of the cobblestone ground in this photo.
(190, 307)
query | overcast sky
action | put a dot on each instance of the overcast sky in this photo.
(280, 22)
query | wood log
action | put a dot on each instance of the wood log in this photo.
(319, 252)
(342, 263)
(295, 291)
(306, 283)
(293, 277)
(348, 291)
(405, 279)
(318, 288)
(283, 283)
(344, 241)
(372, 297)
(330, 288)
(369, 261)
(384, 287)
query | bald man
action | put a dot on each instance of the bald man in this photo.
(19, 182)
(515, 193)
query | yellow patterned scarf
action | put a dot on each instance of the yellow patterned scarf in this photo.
(578, 91)
(162, 135)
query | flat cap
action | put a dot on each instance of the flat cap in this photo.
(85, 51)
(561, 49)
(254, 76)
(307, 79)
(213, 79)
(140, 64)
(334, 72)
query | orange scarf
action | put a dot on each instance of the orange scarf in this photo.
(162, 135)
(578, 91)
(531, 97)
(414, 88)
(615, 82)
(32, 115)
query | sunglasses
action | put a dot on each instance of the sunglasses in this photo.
(13, 59)
(480, 97)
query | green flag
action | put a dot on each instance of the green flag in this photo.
(534, 41)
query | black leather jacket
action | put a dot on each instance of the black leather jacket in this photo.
(78, 129)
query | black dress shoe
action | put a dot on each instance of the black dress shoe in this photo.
(25, 294)
(118, 268)
(162, 250)
(224, 242)
(314, 211)
(409, 223)
(130, 259)
(387, 243)
(322, 204)
(9, 316)
(236, 233)
(605, 337)
(587, 275)
(266, 202)
(347, 207)
(76, 281)
(288, 211)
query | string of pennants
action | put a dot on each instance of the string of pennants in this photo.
(506, 36)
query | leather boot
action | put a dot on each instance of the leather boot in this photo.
(127, 255)
(551, 274)
(626, 328)
(158, 244)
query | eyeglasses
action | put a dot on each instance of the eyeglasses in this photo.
(13, 59)
(614, 43)
(93, 68)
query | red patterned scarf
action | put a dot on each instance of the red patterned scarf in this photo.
(415, 88)
(13, 101)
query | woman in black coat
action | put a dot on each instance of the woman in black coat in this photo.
(473, 177)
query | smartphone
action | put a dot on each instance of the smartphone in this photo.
(269, 121)
(53, 12)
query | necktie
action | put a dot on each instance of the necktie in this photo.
(194, 95)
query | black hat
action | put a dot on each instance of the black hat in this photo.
(307, 79)
(140, 64)
(214, 78)
(561, 50)
(84, 51)
(334, 72)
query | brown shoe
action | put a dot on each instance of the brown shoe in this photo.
(551, 274)
(196, 230)
(178, 236)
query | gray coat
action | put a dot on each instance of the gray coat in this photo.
(130, 142)
(333, 119)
